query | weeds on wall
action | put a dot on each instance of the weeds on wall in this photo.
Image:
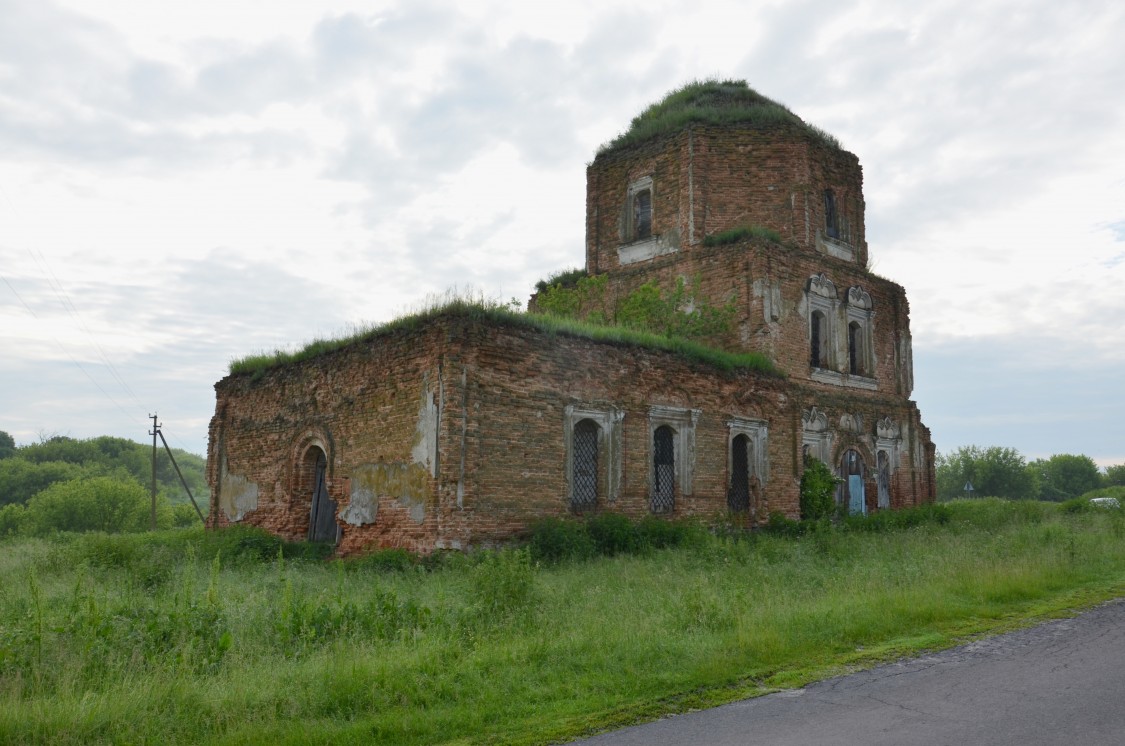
(742, 233)
(496, 312)
(674, 313)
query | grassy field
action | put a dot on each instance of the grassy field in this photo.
(187, 637)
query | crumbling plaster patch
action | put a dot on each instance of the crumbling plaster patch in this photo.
(407, 483)
(237, 494)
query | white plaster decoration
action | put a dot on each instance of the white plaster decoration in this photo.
(608, 419)
(860, 310)
(851, 423)
(683, 422)
(836, 248)
(757, 431)
(820, 295)
(642, 250)
(843, 379)
(815, 434)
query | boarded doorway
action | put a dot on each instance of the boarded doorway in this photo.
(851, 470)
(322, 513)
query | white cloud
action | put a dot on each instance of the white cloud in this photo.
(209, 179)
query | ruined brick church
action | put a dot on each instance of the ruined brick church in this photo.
(465, 428)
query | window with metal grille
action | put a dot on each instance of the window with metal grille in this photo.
(738, 498)
(584, 494)
(642, 214)
(664, 470)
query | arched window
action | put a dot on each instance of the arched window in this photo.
(664, 470)
(584, 494)
(322, 509)
(818, 347)
(855, 349)
(738, 497)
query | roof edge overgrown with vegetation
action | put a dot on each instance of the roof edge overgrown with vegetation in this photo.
(498, 313)
(713, 101)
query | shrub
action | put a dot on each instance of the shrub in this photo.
(554, 540)
(818, 488)
(659, 533)
(504, 583)
(384, 560)
(111, 504)
(613, 533)
(780, 525)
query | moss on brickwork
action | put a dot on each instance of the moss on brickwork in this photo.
(713, 102)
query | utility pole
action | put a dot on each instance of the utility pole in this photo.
(152, 512)
(156, 432)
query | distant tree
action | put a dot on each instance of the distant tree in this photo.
(1065, 475)
(21, 479)
(7, 445)
(113, 504)
(993, 472)
(1114, 476)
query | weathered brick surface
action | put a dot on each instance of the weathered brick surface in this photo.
(453, 434)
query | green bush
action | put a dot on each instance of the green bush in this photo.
(503, 584)
(12, 519)
(384, 560)
(660, 533)
(112, 504)
(781, 526)
(555, 540)
(613, 533)
(818, 491)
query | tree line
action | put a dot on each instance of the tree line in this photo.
(1004, 472)
(102, 483)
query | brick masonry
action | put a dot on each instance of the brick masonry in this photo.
(458, 433)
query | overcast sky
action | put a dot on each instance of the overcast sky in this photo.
(184, 183)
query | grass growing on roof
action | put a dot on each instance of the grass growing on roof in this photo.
(712, 101)
(498, 313)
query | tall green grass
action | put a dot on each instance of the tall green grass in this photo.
(234, 637)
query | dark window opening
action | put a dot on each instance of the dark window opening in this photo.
(664, 470)
(642, 214)
(738, 498)
(831, 219)
(584, 495)
(818, 348)
(855, 349)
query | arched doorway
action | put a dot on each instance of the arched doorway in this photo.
(852, 491)
(322, 510)
(738, 497)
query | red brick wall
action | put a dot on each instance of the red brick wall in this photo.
(507, 416)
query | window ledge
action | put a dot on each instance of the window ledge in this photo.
(639, 251)
(837, 248)
(823, 375)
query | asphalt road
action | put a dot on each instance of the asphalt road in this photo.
(1062, 682)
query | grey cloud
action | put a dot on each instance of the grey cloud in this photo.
(999, 391)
